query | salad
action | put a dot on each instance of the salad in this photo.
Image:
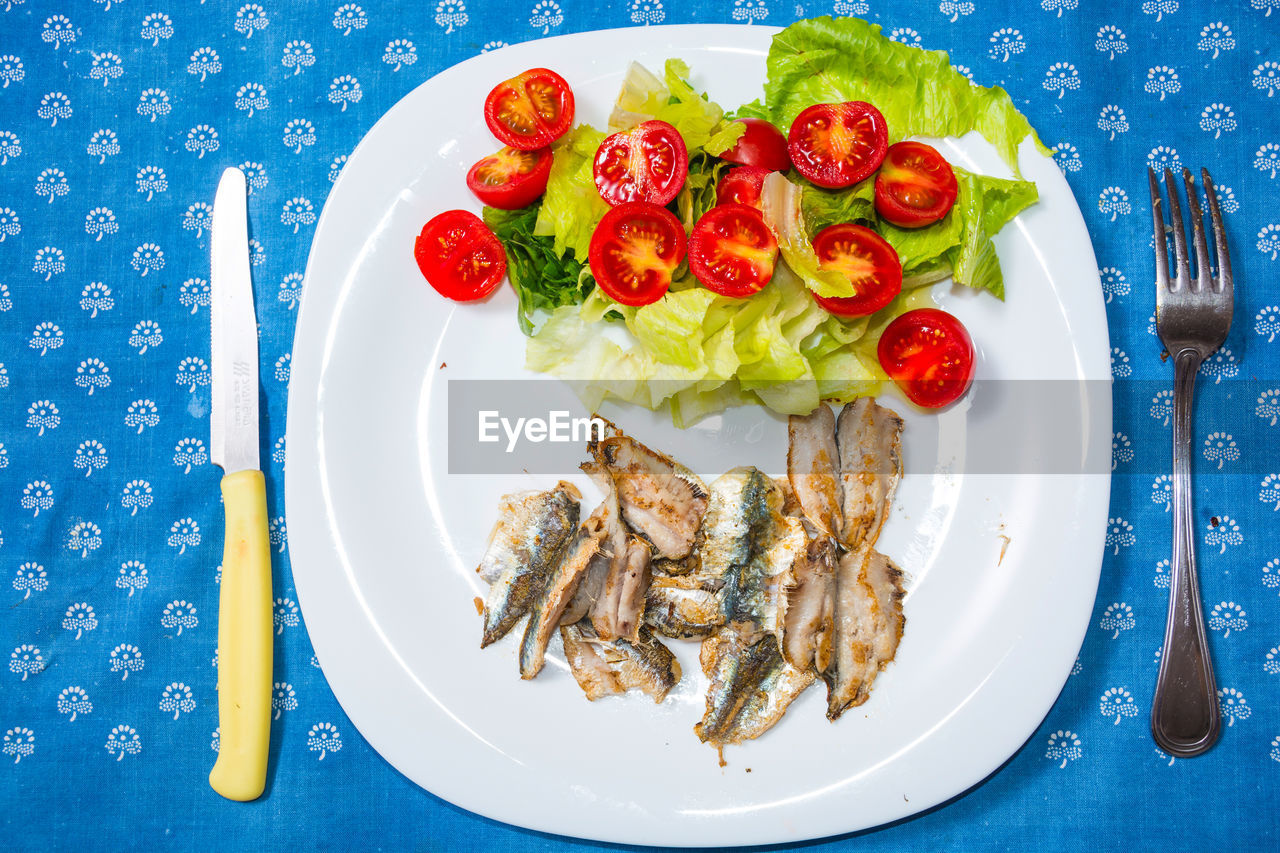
(697, 259)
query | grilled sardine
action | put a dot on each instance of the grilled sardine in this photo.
(660, 499)
(742, 507)
(605, 668)
(532, 529)
(612, 547)
(620, 609)
(810, 607)
(868, 625)
(870, 440)
(813, 469)
(751, 686)
(561, 584)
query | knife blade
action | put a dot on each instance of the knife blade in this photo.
(244, 602)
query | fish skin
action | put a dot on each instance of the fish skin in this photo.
(813, 469)
(809, 606)
(524, 545)
(606, 668)
(751, 686)
(660, 499)
(868, 625)
(561, 584)
(739, 523)
(869, 438)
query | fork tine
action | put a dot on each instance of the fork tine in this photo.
(1179, 233)
(1162, 245)
(1204, 275)
(1223, 282)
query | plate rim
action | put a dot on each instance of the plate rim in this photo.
(302, 411)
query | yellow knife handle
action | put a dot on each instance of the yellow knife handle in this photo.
(244, 641)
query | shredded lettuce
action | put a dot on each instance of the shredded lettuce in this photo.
(699, 353)
(673, 100)
(571, 206)
(826, 60)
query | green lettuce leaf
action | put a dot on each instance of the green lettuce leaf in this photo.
(571, 206)
(541, 278)
(822, 207)
(957, 245)
(674, 100)
(698, 195)
(826, 60)
(725, 138)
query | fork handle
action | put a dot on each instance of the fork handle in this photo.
(1185, 718)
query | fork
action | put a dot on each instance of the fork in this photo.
(1192, 318)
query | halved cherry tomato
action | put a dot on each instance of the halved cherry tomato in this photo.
(929, 354)
(531, 110)
(732, 251)
(761, 145)
(742, 185)
(871, 265)
(634, 250)
(916, 185)
(460, 256)
(837, 145)
(649, 163)
(510, 179)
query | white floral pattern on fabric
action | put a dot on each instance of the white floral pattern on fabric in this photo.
(115, 119)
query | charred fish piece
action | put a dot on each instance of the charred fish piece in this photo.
(868, 626)
(606, 668)
(809, 607)
(532, 529)
(869, 437)
(813, 469)
(660, 499)
(751, 686)
(561, 584)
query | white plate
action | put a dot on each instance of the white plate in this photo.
(384, 541)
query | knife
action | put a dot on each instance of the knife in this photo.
(244, 603)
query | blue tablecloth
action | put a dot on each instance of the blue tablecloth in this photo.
(116, 118)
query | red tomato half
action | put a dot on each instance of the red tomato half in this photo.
(929, 354)
(742, 185)
(837, 145)
(761, 145)
(634, 250)
(531, 110)
(732, 251)
(863, 257)
(460, 256)
(916, 185)
(649, 163)
(510, 179)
